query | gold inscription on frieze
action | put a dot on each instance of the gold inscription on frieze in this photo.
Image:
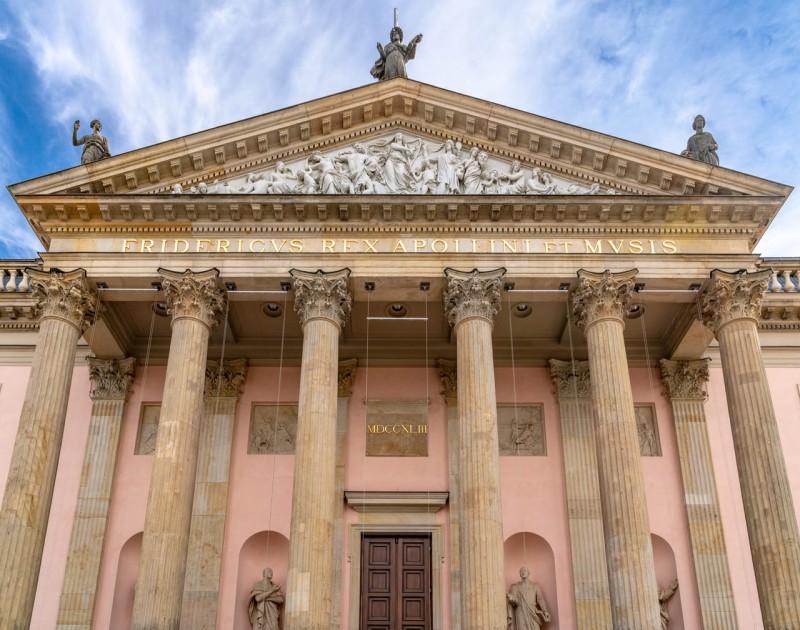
(397, 428)
(510, 246)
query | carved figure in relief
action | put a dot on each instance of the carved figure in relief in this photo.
(526, 608)
(664, 595)
(397, 158)
(647, 438)
(305, 183)
(539, 183)
(361, 166)
(473, 172)
(701, 146)
(95, 146)
(265, 598)
(256, 184)
(448, 173)
(283, 180)
(394, 56)
(330, 180)
(513, 182)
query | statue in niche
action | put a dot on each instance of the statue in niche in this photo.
(95, 146)
(701, 146)
(394, 56)
(525, 605)
(664, 595)
(265, 597)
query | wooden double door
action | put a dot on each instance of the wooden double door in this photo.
(396, 583)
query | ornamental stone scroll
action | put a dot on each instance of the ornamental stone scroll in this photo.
(570, 378)
(322, 295)
(224, 379)
(684, 379)
(733, 296)
(601, 296)
(472, 294)
(63, 295)
(111, 378)
(193, 295)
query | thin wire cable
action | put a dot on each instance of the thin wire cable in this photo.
(275, 428)
(145, 369)
(513, 366)
(427, 412)
(366, 417)
(649, 369)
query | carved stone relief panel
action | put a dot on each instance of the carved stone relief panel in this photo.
(647, 428)
(273, 429)
(148, 429)
(520, 430)
(397, 428)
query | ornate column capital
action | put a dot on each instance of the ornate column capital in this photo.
(601, 296)
(347, 374)
(684, 379)
(472, 294)
(224, 379)
(62, 295)
(571, 378)
(733, 296)
(111, 378)
(193, 295)
(448, 374)
(322, 295)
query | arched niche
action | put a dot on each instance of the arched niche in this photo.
(666, 571)
(127, 570)
(264, 549)
(526, 549)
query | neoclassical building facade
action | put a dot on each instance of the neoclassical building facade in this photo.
(396, 344)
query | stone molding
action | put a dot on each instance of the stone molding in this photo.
(320, 294)
(600, 296)
(193, 294)
(347, 375)
(571, 378)
(62, 295)
(448, 374)
(224, 379)
(734, 296)
(472, 294)
(111, 379)
(684, 379)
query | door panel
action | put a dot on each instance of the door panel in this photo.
(396, 583)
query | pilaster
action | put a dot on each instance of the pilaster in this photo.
(730, 308)
(63, 301)
(684, 383)
(599, 305)
(589, 570)
(323, 305)
(111, 380)
(223, 383)
(471, 301)
(195, 303)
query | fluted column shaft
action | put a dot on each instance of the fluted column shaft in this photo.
(731, 307)
(111, 380)
(64, 301)
(599, 304)
(323, 304)
(683, 384)
(195, 304)
(207, 531)
(471, 303)
(589, 570)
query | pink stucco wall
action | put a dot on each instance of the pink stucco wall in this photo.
(534, 510)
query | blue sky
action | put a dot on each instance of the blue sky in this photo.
(639, 70)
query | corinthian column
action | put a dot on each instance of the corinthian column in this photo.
(195, 304)
(589, 572)
(684, 385)
(64, 301)
(471, 302)
(599, 304)
(731, 308)
(224, 381)
(111, 381)
(323, 304)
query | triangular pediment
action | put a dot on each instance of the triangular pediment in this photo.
(571, 156)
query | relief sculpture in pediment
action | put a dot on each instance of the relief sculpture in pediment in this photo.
(399, 165)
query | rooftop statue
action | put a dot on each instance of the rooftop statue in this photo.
(393, 57)
(701, 146)
(95, 146)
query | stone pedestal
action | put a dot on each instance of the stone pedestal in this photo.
(111, 380)
(472, 300)
(206, 534)
(731, 307)
(599, 304)
(589, 571)
(195, 304)
(64, 300)
(684, 385)
(323, 305)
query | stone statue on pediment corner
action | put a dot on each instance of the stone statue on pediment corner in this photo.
(701, 146)
(95, 146)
